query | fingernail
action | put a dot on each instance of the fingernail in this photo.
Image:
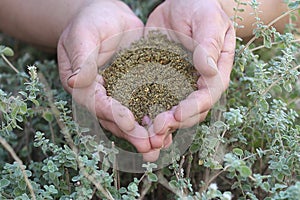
(74, 73)
(170, 131)
(211, 62)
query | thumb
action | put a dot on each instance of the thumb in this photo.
(81, 48)
(206, 48)
(84, 68)
(210, 41)
(205, 59)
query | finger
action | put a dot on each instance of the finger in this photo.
(197, 102)
(205, 62)
(161, 141)
(109, 109)
(193, 120)
(138, 137)
(210, 40)
(226, 59)
(120, 40)
(163, 122)
(158, 137)
(134, 31)
(157, 18)
(158, 21)
(112, 127)
(156, 140)
(64, 66)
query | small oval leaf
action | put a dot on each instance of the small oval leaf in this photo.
(152, 177)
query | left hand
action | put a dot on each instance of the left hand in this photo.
(92, 36)
(212, 41)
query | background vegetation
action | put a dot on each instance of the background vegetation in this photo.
(251, 152)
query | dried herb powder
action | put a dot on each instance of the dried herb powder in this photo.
(150, 76)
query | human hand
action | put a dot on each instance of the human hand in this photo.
(87, 43)
(203, 28)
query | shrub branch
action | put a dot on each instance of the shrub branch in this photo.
(268, 26)
(10, 64)
(277, 81)
(69, 140)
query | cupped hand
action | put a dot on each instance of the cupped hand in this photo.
(90, 39)
(203, 28)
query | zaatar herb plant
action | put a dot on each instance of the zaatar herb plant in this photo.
(151, 76)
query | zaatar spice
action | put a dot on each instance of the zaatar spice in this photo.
(150, 76)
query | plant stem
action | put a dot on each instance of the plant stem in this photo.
(9, 63)
(70, 142)
(268, 26)
(277, 81)
(145, 189)
(116, 174)
(189, 165)
(164, 182)
(274, 43)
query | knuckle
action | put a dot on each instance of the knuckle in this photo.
(214, 43)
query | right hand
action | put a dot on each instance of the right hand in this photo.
(203, 28)
(86, 44)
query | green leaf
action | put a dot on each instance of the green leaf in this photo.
(244, 171)
(152, 177)
(238, 151)
(22, 197)
(8, 51)
(194, 147)
(242, 67)
(35, 102)
(265, 186)
(52, 189)
(219, 124)
(173, 184)
(22, 184)
(279, 187)
(4, 183)
(23, 108)
(52, 175)
(122, 190)
(48, 116)
(23, 93)
(264, 106)
(293, 5)
(288, 86)
(133, 187)
(18, 192)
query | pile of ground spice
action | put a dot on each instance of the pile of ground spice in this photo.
(150, 76)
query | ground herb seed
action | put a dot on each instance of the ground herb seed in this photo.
(151, 76)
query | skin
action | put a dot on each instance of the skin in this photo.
(212, 55)
(79, 30)
(212, 42)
